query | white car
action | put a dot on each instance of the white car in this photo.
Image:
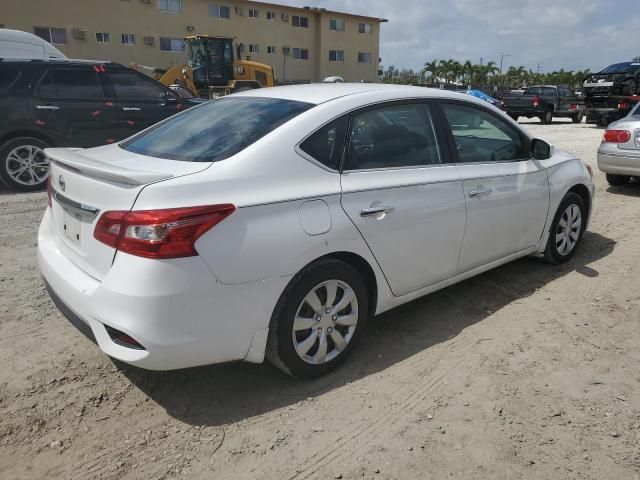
(275, 222)
(619, 152)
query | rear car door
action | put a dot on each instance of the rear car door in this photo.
(69, 104)
(403, 194)
(506, 192)
(138, 100)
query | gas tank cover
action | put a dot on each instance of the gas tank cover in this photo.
(315, 217)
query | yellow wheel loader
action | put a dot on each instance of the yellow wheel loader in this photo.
(212, 70)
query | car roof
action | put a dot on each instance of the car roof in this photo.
(317, 93)
(54, 61)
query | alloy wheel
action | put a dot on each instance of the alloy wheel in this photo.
(27, 165)
(325, 322)
(568, 230)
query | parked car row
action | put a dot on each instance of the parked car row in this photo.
(71, 103)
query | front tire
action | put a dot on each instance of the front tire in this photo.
(566, 230)
(318, 319)
(23, 165)
(618, 180)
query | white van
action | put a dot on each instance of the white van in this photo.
(18, 44)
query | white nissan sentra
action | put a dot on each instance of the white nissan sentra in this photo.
(273, 223)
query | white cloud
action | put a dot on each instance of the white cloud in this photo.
(570, 34)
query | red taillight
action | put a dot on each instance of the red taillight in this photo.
(617, 136)
(623, 106)
(536, 101)
(168, 233)
(573, 106)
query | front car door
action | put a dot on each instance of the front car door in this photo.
(507, 192)
(138, 100)
(69, 104)
(403, 194)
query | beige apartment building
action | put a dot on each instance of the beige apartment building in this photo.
(301, 44)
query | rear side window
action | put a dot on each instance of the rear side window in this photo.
(129, 85)
(71, 83)
(393, 136)
(8, 75)
(216, 130)
(327, 144)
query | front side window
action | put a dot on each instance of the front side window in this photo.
(365, 57)
(365, 28)
(298, 21)
(327, 144)
(56, 36)
(481, 137)
(171, 45)
(8, 75)
(127, 84)
(336, 55)
(71, 83)
(170, 6)
(215, 130)
(393, 136)
(336, 24)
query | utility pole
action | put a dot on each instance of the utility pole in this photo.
(502, 57)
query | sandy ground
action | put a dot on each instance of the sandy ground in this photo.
(528, 371)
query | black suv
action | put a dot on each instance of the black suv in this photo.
(71, 103)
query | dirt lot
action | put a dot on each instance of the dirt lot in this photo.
(528, 371)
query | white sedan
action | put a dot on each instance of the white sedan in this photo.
(619, 152)
(273, 223)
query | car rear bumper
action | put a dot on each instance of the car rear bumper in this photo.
(619, 163)
(176, 309)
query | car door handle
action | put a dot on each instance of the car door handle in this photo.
(373, 211)
(481, 192)
(47, 107)
(131, 109)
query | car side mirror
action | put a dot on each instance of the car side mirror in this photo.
(540, 149)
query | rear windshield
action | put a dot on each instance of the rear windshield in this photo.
(622, 68)
(215, 130)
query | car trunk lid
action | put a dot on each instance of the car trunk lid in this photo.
(87, 183)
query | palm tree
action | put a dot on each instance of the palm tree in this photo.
(433, 69)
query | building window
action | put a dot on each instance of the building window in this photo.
(336, 55)
(171, 44)
(219, 11)
(337, 25)
(365, 28)
(128, 38)
(254, 13)
(302, 22)
(103, 37)
(271, 15)
(170, 6)
(365, 57)
(57, 36)
(271, 50)
(300, 53)
(254, 48)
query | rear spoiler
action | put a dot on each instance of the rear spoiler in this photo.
(70, 158)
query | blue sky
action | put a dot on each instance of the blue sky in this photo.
(570, 34)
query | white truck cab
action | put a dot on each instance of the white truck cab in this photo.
(18, 44)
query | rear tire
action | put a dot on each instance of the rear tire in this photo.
(618, 180)
(23, 165)
(603, 121)
(308, 340)
(567, 229)
(547, 117)
(577, 118)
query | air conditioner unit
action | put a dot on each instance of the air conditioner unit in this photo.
(79, 33)
(149, 40)
(286, 50)
(239, 11)
(285, 17)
